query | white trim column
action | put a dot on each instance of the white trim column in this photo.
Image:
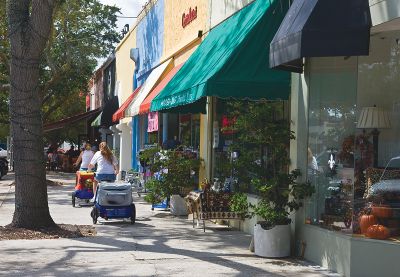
(125, 145)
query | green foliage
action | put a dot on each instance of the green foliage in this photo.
(239, 204)
(156, 192)
(280, 195)
(176, 167)
(4, 68)
(83, 32)
(263, 137)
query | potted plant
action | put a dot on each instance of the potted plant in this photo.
(175, 172)
(262, 143)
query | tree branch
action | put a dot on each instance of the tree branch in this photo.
(57, 77)
(52, 108)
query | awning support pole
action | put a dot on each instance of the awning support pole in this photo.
(210, 119)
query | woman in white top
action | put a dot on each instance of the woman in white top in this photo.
(85, 157)
(107, 165)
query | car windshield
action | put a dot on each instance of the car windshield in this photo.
(393, 164)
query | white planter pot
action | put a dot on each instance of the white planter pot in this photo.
(178, 205)
(272, 243)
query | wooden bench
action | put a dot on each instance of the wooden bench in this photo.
(210, 205)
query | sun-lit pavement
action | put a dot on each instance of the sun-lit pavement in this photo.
(157, 245)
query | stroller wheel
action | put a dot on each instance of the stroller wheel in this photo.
(133, 216)
(73, 199)
(94, 214)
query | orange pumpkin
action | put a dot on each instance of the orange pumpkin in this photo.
(366, 221)
(382, 211)
(377, 232)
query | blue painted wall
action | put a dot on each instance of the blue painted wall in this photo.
(150, 42)
(135, 139)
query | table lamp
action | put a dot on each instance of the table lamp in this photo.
(374, 118)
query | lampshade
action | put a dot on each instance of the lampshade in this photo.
(373, 118)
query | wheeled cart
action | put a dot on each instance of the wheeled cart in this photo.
(113, 200)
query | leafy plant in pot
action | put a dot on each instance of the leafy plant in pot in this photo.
(263, 141)
(175, 169)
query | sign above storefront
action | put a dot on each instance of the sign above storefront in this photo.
(152, 124)
(187, 18)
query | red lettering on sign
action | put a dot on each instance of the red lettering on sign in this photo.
(187, 18)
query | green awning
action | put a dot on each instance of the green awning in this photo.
(97, 121)
(232, 61)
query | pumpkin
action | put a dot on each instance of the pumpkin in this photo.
(377, 232)
(365, 221)
(382, 211)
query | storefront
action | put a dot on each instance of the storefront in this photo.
(126, 90)
(109, 103)
(230, 63)
(344, 109)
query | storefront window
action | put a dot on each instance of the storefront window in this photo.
(332, 98)
(353, 142)
(244, 133)
(189, 130)
(377, 191)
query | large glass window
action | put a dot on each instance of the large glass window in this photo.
(354, 141)
(377, 191)
(333, 87)
(189, 130)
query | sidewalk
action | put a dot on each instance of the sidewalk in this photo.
(157, 245)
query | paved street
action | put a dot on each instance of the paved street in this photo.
(157, 245)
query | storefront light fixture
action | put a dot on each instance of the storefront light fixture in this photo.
(374, 118)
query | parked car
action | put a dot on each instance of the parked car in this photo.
(3, 153)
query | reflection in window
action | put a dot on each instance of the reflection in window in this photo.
(331, 142)
(353, 142)
(377, 189)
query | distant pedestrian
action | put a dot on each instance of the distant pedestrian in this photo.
(53, 160)
(85, 157)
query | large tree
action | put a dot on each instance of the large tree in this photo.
(52, 53)
(29, 25)
(83, 31)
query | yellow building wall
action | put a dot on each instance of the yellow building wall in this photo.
(176, 37)
(125, 66)
(180, 42)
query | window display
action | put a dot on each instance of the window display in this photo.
(331, 136)
(353, 141)
(378, 191)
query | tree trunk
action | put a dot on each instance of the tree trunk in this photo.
(29, 27)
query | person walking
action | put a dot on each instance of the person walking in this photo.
(85, 157)
(107, 165)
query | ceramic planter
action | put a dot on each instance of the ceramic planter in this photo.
(272, 243)
(178, 205)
